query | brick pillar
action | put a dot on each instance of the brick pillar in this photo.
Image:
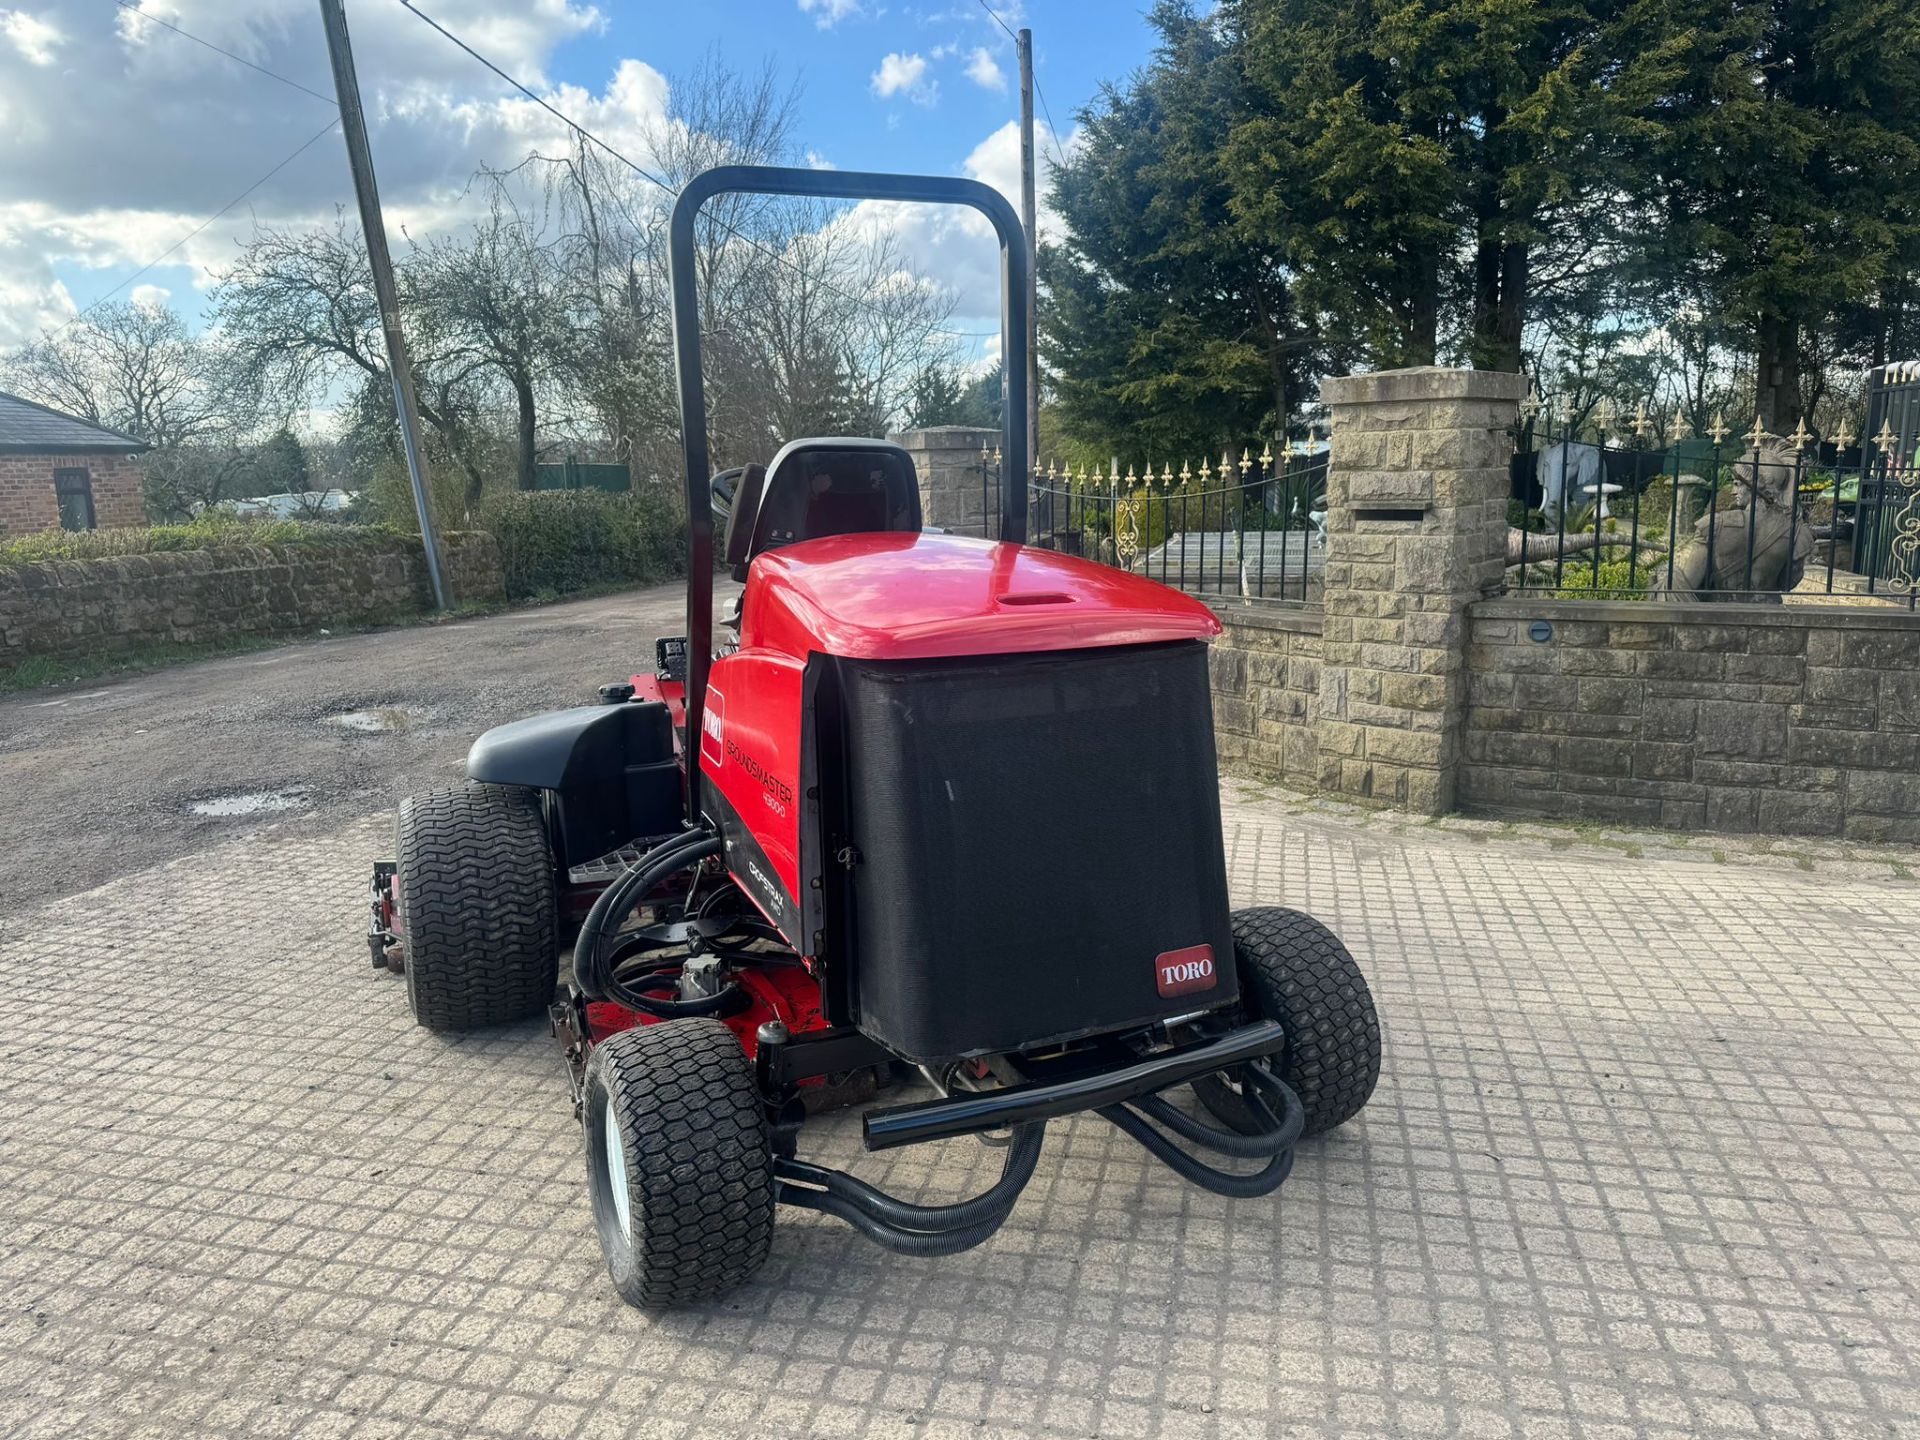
(947, 458)
(1416, 532)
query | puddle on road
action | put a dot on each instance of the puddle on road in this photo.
(258, 802)
(382, 721)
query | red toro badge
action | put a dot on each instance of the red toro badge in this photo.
(1181, 972)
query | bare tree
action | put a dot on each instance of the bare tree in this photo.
(299, 313)
(500, 297)
(132, 367)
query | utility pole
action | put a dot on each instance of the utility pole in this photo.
(1030, 219)
(353, 125)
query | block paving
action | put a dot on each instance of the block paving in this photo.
(1643, 1163)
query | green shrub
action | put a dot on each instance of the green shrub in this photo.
(212, 531)
(1616, 579)
(555, 542)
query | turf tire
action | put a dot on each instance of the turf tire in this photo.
(477, 906)
(693, 1156)
(1295, 970)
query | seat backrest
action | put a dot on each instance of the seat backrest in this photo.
(831, 486)
(748, 486)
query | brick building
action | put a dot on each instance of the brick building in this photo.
(59, 470)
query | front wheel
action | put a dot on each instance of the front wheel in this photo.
(1295, 970)
(679, 1164)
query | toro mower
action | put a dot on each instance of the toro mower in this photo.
(927, 806)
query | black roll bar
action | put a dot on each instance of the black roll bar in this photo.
(833, 185)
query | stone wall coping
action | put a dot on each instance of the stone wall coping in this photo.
(1662, 612)
(943, 437)
(1270, 615)
(1422, 382)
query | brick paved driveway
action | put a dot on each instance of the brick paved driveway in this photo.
(1643, 1163)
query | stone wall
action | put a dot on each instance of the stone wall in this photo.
(1266, 691)
(27, 501)
(952, 497)
(1775, 719)
(94, 607)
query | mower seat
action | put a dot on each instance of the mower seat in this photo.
(743, 504)
(815, 488)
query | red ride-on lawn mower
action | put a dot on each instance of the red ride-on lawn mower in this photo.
(936, 805)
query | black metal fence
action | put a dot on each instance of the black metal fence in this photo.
(1251, 526)
(1600, 512)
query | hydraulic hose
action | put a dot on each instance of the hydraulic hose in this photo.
(915, 1229)
(1277, 1143)
(1017, 1169)
(611, 907)
(901, 1242)
(1263, 1181)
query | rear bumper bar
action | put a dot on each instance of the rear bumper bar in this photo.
(971, 1113)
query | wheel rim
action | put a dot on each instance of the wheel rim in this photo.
(613, 1152)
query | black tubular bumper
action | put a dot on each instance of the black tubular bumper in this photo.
(967, 1114)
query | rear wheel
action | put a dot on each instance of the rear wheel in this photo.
(1295, 970)
(477, 910)
(678, 1162)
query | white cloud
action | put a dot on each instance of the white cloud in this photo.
(905, 75)
(34, 38)
(984, 70)
(955, 247)
(145, 296)
(829, 13)
(170, 132)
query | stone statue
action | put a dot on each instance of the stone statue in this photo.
(1753, 517)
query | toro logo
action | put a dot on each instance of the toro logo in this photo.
(712, 725)
(1180, 972)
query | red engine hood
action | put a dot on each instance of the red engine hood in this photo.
(914, 597)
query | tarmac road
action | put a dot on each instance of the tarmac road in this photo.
(102, 778)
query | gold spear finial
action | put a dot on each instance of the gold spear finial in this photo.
(1843, 437)
(1757, 436)
(983, 452)
(1166, 474)
(1130, 472)
(1246, 463)
(1266, 455)
(1682, 427)
(1886, 439)
(1206, 470)
(1801, 437)
(1563, 411)
(1641, 424)
(1186, 472)
(1603, 415)
(1530, 406)
(1719, 430)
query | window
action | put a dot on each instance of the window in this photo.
(74, 490)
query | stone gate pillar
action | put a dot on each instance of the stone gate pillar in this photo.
(1416, 532)
(947, 458)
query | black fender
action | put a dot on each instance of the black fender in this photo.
(610, 769)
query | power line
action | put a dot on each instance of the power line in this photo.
(1053, 133)
(133, 8)
(648, 175)
(305, 146)
(998, 21)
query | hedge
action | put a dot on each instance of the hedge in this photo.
(212, 531)
(555, 542)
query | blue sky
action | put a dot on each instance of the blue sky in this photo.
(172, 131)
